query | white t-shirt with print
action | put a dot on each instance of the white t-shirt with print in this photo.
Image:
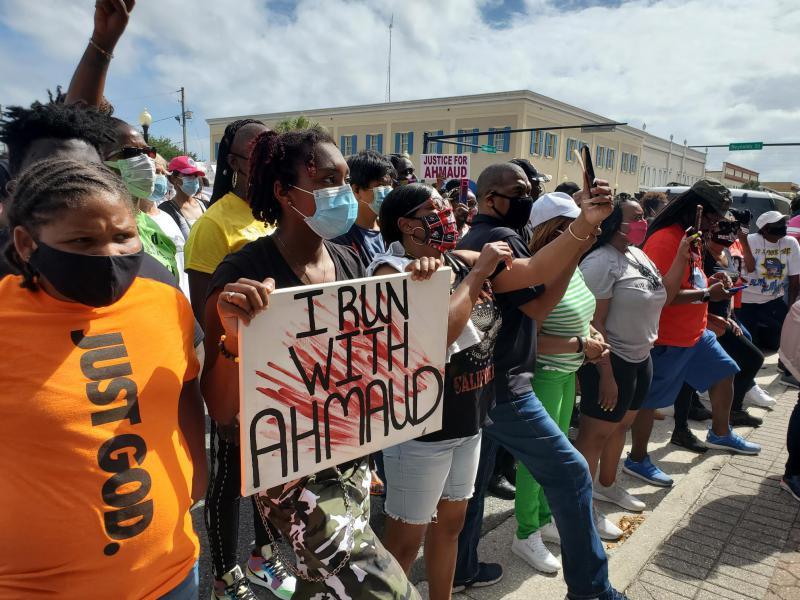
(170, 227)
(775, 263)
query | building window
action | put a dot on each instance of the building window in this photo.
(550, 145)
(600, 156)
(375, 142)
(610, 158)
(500, 138)
(537, 142)
(435, 147)
(572, 144)
(623, 164)
(634, 163)
(348, 144)
(404, 142)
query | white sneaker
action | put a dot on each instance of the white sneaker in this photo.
(616, 495)
(533, 551)
(605, 528)
(550, 533)
(758, 397)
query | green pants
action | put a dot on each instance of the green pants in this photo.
(556, 392)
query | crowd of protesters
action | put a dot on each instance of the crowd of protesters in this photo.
(123, 285)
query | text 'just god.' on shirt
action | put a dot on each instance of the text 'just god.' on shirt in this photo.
(96, 484)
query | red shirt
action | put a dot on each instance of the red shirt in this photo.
(680, 324)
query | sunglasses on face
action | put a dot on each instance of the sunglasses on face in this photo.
(131, 152)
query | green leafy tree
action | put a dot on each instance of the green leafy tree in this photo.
(301, 122)
(167, 148)
(751, 185)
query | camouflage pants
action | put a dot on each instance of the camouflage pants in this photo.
(312, 517)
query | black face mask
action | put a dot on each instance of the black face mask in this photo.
(87, 279)
(518, 213)
(723, 241)
(778, 232)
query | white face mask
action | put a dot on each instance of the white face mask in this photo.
(138, 173)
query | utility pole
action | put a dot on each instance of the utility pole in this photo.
(183, 117)
(389, 69)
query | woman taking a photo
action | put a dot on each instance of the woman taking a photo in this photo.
(101, 418)
(299, 182)
(625, 283)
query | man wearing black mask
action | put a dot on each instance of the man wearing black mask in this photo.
(772, 264)
(516, 419)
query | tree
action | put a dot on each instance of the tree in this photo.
(301, 122)
(167, 148)
(753, 184)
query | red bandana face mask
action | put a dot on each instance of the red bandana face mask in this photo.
(441, 231)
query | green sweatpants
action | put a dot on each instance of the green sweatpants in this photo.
(556, 392)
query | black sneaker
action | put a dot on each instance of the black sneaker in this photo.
(788, 379)
(699, 413)
(686, 439)
(502, 488)
(742, 418)
(488, 574)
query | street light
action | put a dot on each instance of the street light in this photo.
(145, 120)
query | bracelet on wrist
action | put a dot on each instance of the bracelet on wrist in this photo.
(100, 49)
(224, 351)
(581, 346)
(572, 233)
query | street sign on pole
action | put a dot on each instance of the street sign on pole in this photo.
(489, 149)
(746, 146)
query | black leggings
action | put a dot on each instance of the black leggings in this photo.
(793, 441)
(222, 506)
(749, 359)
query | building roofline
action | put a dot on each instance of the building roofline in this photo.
(449, 101)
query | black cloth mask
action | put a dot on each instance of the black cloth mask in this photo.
(518, 213)
(84, 278)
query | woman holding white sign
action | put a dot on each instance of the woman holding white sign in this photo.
(299, 181)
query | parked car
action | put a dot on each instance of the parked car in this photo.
(755, 201)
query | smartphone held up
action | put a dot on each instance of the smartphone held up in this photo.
(584, 158)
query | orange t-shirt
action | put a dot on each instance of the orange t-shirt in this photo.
(95, 476)
(680, 324)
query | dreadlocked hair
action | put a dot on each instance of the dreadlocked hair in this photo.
(681, 210)
(20, 127)
(276, 157)
(223, 182)
(48, 187)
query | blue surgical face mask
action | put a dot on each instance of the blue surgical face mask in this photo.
(336, 211)
(160, 187)
(190, 185)
(378, 196)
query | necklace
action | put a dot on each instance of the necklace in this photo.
(653, 279)
(298, 269)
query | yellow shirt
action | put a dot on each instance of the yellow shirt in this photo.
(221, 230)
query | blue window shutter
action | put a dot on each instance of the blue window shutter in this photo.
(216, 150)
(475, 139)
(490, 141)
(354, 139)
(459, 147)
(439, 145)
(411, 142)
(368, 144)
(397, 143)
(555, 144)
(380, 143)
(506, 139)
(533, 139)
(341, 143)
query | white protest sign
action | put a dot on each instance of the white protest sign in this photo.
(444, 166)
(331, 373)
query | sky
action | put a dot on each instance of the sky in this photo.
(707, 72)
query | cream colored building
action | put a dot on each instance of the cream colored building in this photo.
(623, 156)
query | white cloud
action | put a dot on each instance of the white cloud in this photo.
(709, 72)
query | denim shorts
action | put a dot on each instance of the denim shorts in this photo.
(419, 474)
(701, 366)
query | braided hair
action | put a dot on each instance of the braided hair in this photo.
(20, 127)
(276, 157)
(48, 187)
(223, 182)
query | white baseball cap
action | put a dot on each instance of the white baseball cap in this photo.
(552, 205)
(769, 217)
